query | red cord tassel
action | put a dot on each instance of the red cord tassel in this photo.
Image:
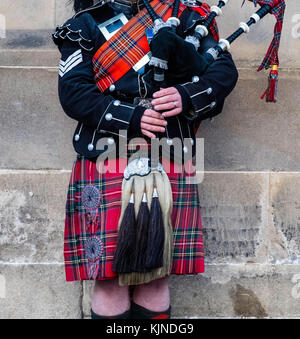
(271, 92)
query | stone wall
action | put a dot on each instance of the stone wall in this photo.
(250, 194)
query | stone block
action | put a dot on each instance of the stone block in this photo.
(27, 40)
(30, 57)
(86, 300)
(37, 133)
(236, 291)
(233, 209)
(285, 216)
(32, 211)
(39, 292)
(28, 15)
(252, 135)
(63, 11)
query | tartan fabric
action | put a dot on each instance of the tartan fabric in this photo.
(120, 53)
(278, 9)
(91, 226)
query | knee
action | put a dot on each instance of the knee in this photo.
(154, 286)
(110, 299)
(159, 283)
(110, 287)
(153, 296)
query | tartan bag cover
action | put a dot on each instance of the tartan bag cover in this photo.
(129, 45)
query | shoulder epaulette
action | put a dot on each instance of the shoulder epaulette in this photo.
(75, 30)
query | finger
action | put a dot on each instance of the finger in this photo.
(168, 106)
(152, 128)
(164, 91)
(173, 112)
(165, 99)
(153, 114)
(153, 121)
(161, 92)
(148, 134)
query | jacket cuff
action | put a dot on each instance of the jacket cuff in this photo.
(116, 117)
(135, 122)
(185, 99)
(202, 98)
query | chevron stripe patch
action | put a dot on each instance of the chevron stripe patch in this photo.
(72, 61)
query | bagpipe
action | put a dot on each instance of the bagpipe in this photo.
(145, 235)
(165, 47)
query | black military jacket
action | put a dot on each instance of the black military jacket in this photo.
(105, 114)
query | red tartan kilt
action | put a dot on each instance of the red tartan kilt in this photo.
(91, 226)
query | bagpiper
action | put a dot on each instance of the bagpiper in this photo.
(131, 224)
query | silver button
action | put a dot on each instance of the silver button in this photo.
(77, 137)
(112, 88)
(108, 116)
(195, 78)
(90, 147)
(209, 90)
(110, 141)
(169, 142)
(185, 149)
(117, 102)
(192, 142)
(213, 104)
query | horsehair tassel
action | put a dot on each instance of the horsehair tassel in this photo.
(156, 234)
(271, 92)
(164, 191)
(124, 254)
(139, 264)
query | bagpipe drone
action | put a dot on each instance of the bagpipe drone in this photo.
(165, 47)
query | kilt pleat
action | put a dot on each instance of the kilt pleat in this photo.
(93, 209)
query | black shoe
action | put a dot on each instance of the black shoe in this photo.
(140, 312)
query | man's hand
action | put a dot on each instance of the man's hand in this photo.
(152, 121)
(167, 100)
